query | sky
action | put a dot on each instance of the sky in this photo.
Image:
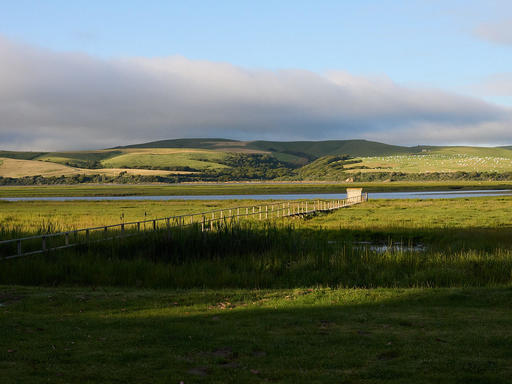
(94, 74)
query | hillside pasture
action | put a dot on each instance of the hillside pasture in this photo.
(428, 163)
(167, 158)
(21, 168)
(28, 168)
(79, 158)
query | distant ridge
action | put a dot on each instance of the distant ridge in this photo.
(203, 143)
(306, 150)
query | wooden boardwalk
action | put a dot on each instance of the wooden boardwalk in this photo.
(14, 248)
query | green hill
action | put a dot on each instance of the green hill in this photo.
(216, 159)
(18, 155)
(180, 159)
(316, 149)
(330, 167)
(297, 153)
(188, 143)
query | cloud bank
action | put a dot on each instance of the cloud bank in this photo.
(499, 84)
(54, 100)
(499, 32)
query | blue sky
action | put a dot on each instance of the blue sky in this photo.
(460, 47)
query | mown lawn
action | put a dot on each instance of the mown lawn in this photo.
(78, 335)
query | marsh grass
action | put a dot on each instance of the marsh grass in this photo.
(464, 242)
(266, 255)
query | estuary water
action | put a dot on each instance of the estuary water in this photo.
(308, 196)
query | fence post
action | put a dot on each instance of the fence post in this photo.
(154, 225)
(19, 247)
(238, 215)
(122, 227)
(87, 235)
(266, 211)
(202, 224)
(66, 239)
(43, 240)
(260, 212)
(211, 221)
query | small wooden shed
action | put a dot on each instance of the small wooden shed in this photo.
(354, 192)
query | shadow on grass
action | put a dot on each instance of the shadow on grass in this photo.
(297, 336)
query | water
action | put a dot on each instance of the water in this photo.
(383, 248)
(394, 247)
(308, 196)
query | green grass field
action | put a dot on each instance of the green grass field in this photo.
(99, 335)
(445, 163)
(80, 159)
(293, 301)
(439, 159)
(383, 215)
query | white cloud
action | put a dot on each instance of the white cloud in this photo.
(55, 100)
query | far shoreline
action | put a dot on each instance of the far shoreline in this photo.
(240, 188)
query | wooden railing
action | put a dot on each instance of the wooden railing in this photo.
(206, 220)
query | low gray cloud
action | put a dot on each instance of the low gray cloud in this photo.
(67, 100)
(499, 32)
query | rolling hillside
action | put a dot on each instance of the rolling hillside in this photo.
(15, 168)
(294, 152)
(223, 160)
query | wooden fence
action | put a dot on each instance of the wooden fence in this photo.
(14, 248)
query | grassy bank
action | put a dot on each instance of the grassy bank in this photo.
(240, 188)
